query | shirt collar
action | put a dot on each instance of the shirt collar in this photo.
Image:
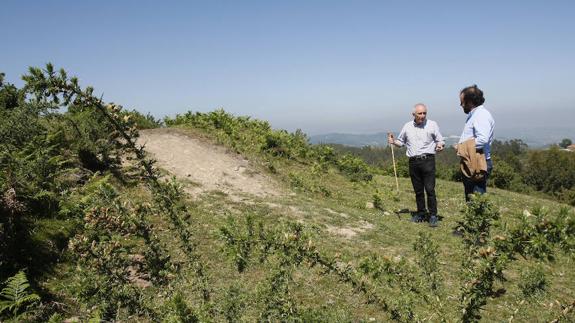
(473, 111)
(421, 125)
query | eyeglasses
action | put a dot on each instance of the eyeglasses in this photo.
(424, 113)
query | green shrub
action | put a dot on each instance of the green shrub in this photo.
(401, 166)
(323, 154)
(550, 170)
(532, 282)
(568, 196)
(354, 168)
(503, 175)
(277, 144)
(378, 201)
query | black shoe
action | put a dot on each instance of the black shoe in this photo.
(417, 218)
(433, 221)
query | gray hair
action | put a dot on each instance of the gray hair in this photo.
(419, 104)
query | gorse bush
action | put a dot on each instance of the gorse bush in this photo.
(107, 247)
(46, 158)
(246, 134)
(140, 120)
(404, 291)
(241, 133)
(107, 265)
(532, 282)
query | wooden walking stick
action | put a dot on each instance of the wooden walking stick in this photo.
(394, 168)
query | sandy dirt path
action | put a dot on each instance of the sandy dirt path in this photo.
(211, 167)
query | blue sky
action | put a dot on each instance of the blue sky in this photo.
(321, 66)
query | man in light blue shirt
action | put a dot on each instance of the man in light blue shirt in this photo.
(479, 126)
(422, 139)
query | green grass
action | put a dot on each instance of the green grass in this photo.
(344, 227)
(384, 233)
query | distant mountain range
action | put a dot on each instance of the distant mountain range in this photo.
(355, 140)
(360, 140)
(380, 139)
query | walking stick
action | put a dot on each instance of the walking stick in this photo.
(394, 168)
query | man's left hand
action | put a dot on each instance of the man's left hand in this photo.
(439, 147)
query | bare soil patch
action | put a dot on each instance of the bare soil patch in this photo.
(209, 166)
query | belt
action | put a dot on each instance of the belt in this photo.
(421, 157)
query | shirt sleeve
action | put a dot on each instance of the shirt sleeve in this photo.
(402, 137)
(482, 131)
(437, 135)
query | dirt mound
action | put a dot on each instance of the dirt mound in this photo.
(207, 166)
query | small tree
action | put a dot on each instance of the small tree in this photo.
(565, 143)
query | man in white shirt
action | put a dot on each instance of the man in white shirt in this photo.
(422, 139)
(479, 125)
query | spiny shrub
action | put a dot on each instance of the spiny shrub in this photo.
(106, 262)
(378, 201)
(38, 167)
(478, 217)
(178, 311)
(240, 243)
(538, 233)
(115, 250)
(241, 133)
(427, 253)
(142, 121)
(234, 303)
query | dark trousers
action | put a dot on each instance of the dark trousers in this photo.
(422, 173)
(480, 187)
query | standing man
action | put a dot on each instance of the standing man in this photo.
(479, 126)
(422, 139)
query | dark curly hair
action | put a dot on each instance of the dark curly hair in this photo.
(472, 94)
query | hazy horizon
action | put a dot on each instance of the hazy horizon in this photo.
(319, 66)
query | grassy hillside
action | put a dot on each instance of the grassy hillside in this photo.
(123, 241)
(345, 226)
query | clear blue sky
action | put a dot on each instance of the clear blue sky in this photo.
(321, 66)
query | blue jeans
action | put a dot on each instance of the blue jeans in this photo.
(477, 187)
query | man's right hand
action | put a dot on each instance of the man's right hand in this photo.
(390, 138)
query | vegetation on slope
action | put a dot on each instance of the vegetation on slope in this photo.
(102, 235)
